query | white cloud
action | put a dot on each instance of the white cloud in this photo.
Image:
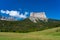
(7, 12)
(22, 16)
(2, 11)
(14, 13)
(26, 13)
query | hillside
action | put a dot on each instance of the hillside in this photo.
(48, 34)
(27, 25)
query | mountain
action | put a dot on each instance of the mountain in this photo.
(36, 22)
(27, 25)
(36, 16)
(7, 18)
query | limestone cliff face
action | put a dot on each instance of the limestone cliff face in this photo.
(34, 16)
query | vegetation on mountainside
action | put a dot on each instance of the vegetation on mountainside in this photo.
(27, 26)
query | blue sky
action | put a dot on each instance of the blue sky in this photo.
(51, 7)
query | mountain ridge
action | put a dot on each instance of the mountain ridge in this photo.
(27, 25)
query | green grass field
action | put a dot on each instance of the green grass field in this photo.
(48, 34)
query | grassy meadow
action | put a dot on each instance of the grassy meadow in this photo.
(48, 34)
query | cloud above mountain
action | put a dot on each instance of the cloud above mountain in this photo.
(14, 13)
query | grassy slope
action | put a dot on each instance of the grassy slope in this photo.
(48, 34)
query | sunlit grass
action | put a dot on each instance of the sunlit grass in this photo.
(48, 34)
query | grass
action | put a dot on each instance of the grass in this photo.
(48, 34)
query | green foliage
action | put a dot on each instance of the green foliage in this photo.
(27, 26)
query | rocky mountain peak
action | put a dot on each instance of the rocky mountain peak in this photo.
(34, 16)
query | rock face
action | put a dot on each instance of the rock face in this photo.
(36, 16)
